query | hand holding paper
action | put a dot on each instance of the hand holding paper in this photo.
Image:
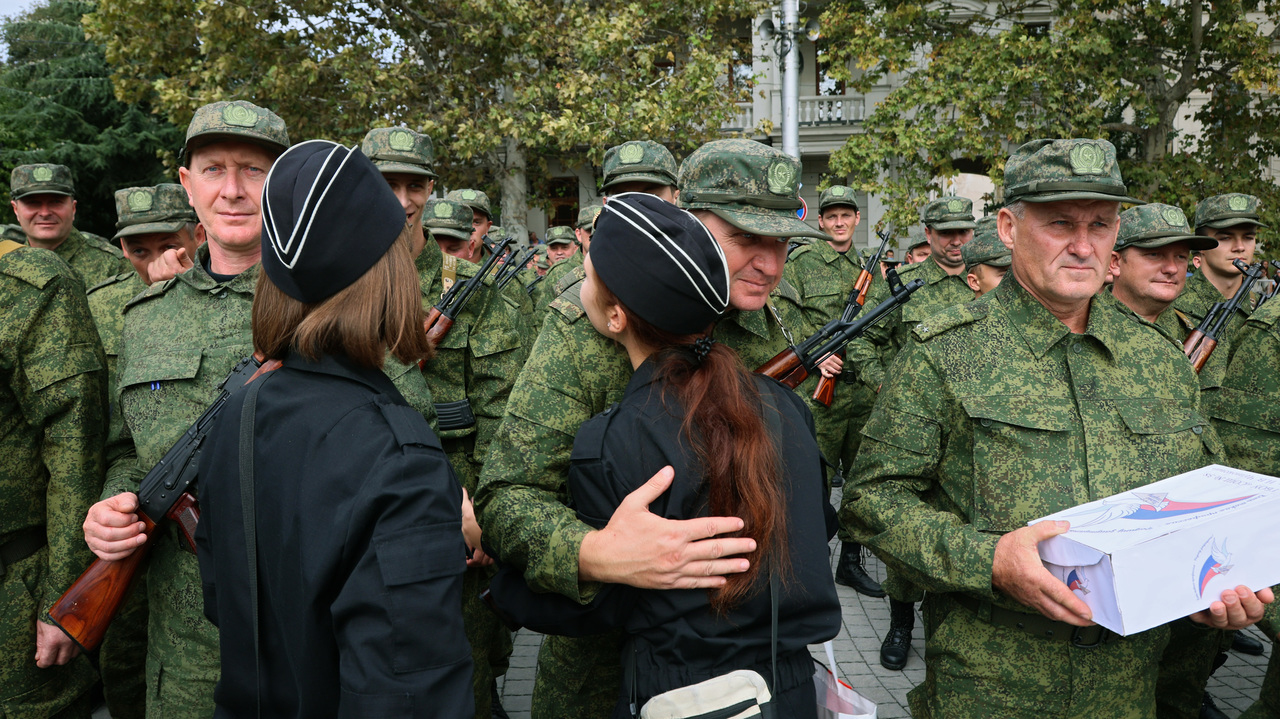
(1018, 571)
(1238, 608)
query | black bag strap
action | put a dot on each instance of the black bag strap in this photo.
(773, 419)
(248, 514)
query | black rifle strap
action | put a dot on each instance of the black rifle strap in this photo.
(248, 514)
(773, 418)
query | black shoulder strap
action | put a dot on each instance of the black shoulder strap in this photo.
(249, 516)
(773, 419)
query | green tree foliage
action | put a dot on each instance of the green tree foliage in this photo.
(500, 85)
(57, 105)
(975, 84)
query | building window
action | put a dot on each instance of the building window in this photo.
(826, 84)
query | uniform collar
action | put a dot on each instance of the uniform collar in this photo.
(428, 263)
(932, 273)
(341, 366)
(71, 246)
(1041, 330)
(756, 322)
(199, 279)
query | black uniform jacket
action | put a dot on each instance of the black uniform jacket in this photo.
(678, 638)
(360, 552)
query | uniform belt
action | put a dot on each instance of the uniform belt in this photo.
(1037, 625)
(21, 545)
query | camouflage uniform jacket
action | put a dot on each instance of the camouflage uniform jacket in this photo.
(1246, 407)
(1176, 327)
(52, 408)
(573, 373)
(93, 258)
(106, 302)
(873, 352)
(558, 280)
(999, 416)
(476, 363)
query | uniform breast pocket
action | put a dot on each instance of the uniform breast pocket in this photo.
(1162, 437)
(148, 376)
(1022, 465)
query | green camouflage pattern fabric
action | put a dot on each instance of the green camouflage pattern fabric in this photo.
(948, 213)
(1158, 225)
(236, 120)
(181, 337)
(997, 415)
(399, 149)
(1229, 210)
(639, 161)
(873, 352)
(53, 409)
(835, 196)
(915, 237)
(587, 217)
(475, 199)
(560, 235)
(41, 179)
(573, 373)
(986, 248)
(1246, 407)
(560, 276)
(1057, 170)
(1185, 667)
(447, 217)
(92, 258)
(749, 185)
(147, 210)
(496, 233)
(106, 304)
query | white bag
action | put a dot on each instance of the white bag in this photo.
(836, 699)
(744, 692)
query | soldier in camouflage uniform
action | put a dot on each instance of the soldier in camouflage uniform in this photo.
(44, 201)
(1010, 408)
(573, 372)
(586, 226)
(986, 259)
(471, 375)
(158, 231)
(473, 248)
(1233, 221)
(53, 407)
(824, 273)
(918, 249)
(640, 166)
(949, 226)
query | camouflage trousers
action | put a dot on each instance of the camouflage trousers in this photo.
(974, 670)
(489, 638)
(578, 678)
(182, 646)
(1268, 704)
(840, 438)
(1185, 667)
(25, 689)
(122, 660)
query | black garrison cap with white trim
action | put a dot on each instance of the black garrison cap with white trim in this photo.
(661, 262)
(327, 217)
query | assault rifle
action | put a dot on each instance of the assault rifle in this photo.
(1204, 339)
(792, 365)
(506, 274)
(826, 390)
(440, 318)
(85, 610)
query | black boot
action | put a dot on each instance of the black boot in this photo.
(496, 711)
(1209, 710)
(897, 643)
(850, 572)
(1242, 643)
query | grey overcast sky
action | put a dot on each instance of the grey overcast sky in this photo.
(13, 7)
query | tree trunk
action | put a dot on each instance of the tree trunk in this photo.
(515, 195)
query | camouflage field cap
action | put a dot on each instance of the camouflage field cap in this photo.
(639, 161)
(949, 213)
(148, 210)
(475, 199)
(837, 195)
(560, 235)
(986, 248)
(540, 252)
(587, 216)
(1057, 170)
(13, 232)
(1228, 210)
(236, 120)
(751, 186)
(399, 149)
(42, 179)
(915, 238)
(1157, 225)
(448, 218)
(496, 233)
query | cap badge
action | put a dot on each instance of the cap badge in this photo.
(239, 116)
(42, 174)
(1174, 217)
(400, 140)
(139, 201)
(782, 178)
(837, 191)
(442, 210)
(1088, 159)
(1238, 203)
(469, 194)
(630, 154)
(955, 206)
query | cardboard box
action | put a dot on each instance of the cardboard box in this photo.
(1160, 552)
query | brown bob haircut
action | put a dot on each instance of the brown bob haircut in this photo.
(381, 311)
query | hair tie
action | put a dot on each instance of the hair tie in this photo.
(702, 347)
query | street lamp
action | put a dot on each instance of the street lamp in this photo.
(788, 55)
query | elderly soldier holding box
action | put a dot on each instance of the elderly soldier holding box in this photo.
(44, 202)
(1040, 396)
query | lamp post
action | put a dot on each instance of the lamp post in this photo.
(787, 52)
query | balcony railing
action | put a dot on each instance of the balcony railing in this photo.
(744, 120)
(832, 109)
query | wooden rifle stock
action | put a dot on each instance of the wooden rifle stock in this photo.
(86, 609)
(437, 330)
(1192, 342)
(1200, 355)
(825, 392)
(786, 368)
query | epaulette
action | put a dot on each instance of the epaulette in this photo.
(101, 243)
(798, 250)
(569, 279)
(949, 319)
(908, 269)
(569, 303)
(155, 290)
(34, 266)
(111, 281)
(1267, 314)
(787, 290)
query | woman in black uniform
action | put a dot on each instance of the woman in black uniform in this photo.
(740, 445)
(355, 552)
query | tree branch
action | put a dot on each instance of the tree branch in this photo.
(1123, 127)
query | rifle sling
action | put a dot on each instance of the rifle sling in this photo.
(248, 515)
